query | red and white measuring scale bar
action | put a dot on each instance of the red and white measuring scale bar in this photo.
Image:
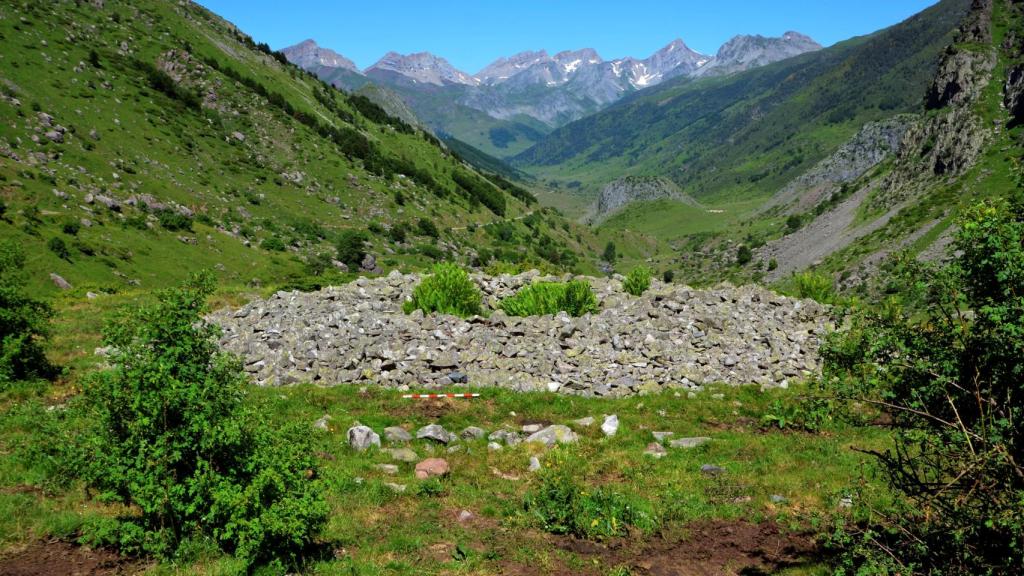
(430, 396)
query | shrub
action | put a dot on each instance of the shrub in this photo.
(773, 264)
(24, 322)
(793, 223)
(744, 255)
(59, 247)
(668, 276)
(638, 281)
(352, 249)
(575, 298)
(71, 227)
(172, 438)
(272, 244)
(561, 505)
(609, 254)
(449, 290)
(427, 227)
(944, 357)
(174, 221)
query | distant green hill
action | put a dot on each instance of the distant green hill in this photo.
(143, 140)
(748, 134)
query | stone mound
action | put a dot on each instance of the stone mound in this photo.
(671, 337)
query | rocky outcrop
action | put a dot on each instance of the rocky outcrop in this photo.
(965, 70)
(672, 337)
(875, 142)
(630, 189)
(1013, 94)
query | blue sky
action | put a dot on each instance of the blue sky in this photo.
(471, 34)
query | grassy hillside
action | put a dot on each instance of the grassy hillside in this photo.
(747, 135)
(143, 140)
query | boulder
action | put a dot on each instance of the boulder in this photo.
(610, 426)
(397, 435)
(60, 282)
(435, 432)
(555, 434)
(432, 467)
(689, 442)
(362, 437)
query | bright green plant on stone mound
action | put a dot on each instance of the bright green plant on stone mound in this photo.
(576, 298)
(172, 437)
(637, 281)
(449, 290)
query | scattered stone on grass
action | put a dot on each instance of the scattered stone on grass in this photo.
(689, 442)
(435, 432)
(432, 467)
(397, 435)
(362, 437)
(555, 434)
(656, 450)
(610, 425)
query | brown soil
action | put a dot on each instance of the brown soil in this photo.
(714, 548)
(436, 408)
(56, 558)
(725, 548)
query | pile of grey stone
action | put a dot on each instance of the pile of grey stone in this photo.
(672, 337)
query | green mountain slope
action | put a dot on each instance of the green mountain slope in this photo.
(746, 135)
(140, 141)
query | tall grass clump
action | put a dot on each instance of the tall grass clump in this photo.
(560, 504)
(449, 290)
(171, 437)
(575, 298)
(814, 285)
(637, 281)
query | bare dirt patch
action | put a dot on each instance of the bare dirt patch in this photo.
(713, 548)
(56, 558)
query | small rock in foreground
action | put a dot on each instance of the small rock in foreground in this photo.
(432, 467)
(362, 437)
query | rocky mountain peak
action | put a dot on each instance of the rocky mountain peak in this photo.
(504, 68)
(745, 51)
(307, 54)
(423, 67)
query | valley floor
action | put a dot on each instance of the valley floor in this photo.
(752, 498)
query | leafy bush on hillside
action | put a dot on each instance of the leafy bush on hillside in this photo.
(174, 221)
(561, 505)
(944, 357)
(352, 249)
(172, 438)
(637, 281)
(24, 322)
(575, 298)
(479, 190)
(449, 290)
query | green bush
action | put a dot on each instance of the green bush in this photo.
(24, 322)
(744, 255)
(273, 244)
(59, 247)
(449, 290)
(637, 281)
(668, 276)
(561, 505)
(609, 253)
(944, 357)
(813, 285)
(773, 264)
(352, 249)
(426, 227)
(174, 221)
(575, 298)
(172, 438)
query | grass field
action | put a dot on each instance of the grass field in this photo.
(374, 530)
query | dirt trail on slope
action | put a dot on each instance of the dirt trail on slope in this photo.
(56, 558)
